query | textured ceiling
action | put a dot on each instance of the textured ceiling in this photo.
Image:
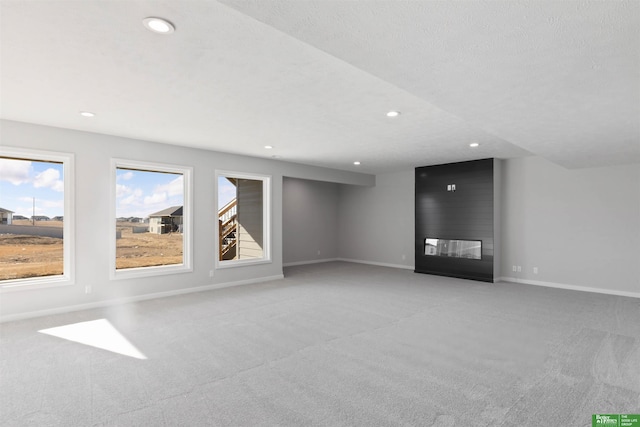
(314, 79)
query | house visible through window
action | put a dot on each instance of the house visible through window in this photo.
(242, 218)
(35, 233)
(151, 217)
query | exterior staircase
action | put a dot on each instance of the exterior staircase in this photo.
(228, 230)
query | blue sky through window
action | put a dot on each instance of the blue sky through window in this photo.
(22, 181)
(138, 193)
(226, 192)
(142, 193)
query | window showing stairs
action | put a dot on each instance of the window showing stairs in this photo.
(241, 220)
(228, 230)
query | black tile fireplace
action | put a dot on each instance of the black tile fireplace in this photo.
(455, 219)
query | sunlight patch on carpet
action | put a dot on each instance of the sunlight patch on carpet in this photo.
(96, 333)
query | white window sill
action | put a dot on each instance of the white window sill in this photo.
(241, 263)
(35, 283)
(161, 270)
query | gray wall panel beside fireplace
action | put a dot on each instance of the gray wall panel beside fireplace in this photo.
(450, 215)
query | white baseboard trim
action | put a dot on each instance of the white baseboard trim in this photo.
(379, 264)
(570, 287)
(239, 283)
(314, 261)
(126, 300)
(107, 303)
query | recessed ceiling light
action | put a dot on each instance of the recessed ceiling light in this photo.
(356, 163)
(158, 25)
(393, 113)
(474, 145)
(268, 147)
(87, 114)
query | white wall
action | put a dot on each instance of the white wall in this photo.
(310, 220)
(377, 223)
(580, 227)
(93, 228)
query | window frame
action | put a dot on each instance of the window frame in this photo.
(266, 220)
(187, 227)
(67, 277)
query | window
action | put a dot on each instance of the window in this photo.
(243, 227)
(36, 218)
(152, 219)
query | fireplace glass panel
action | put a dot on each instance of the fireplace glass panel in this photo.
(470, 249)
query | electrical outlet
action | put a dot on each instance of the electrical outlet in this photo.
(404, 257)
(210, 273)
(87, 289)
(514, 268)
(519, 269)
(535, 270)
(318, 252)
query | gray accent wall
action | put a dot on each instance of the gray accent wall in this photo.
(94, 227)
(377, 223)
(310, 220)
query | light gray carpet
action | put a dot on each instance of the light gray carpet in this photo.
(335, 344)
